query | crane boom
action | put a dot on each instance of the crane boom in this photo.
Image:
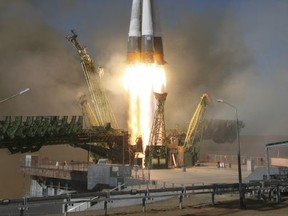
(101, 106)
(194, 122)
(189, 152)
(91, 120)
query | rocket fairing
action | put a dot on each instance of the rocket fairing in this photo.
(144, 37)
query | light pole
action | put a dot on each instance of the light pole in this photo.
(22, 209)
(15, 95)
(241, 195)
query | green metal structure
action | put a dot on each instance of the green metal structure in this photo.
(20, 134)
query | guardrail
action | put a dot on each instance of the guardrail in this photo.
(54, 164)
(232, 159)
(261, 190)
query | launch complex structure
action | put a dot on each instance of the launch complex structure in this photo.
(97, 130)
(115, 153)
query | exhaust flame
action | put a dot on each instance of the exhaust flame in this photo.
(141, 80)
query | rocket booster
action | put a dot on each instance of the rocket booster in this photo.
(144, 37)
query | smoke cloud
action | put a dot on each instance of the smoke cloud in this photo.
(234, 50)
(236, 53)
(34, 54)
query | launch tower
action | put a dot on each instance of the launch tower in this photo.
(100, 103)
(156, 152)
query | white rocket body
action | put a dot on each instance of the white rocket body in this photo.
(134, 35)
(144, 37)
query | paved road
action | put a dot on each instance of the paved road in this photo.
(208, 174)
(195, 175)
(177, 177)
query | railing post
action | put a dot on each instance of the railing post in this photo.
(105, 207)
(180, 201)
(143, 204)
(213, 195)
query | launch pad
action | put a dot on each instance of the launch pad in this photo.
(97, 131)
(182, 186)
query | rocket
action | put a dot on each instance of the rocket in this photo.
(144, 37)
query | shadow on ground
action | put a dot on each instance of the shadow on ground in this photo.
(254, 204)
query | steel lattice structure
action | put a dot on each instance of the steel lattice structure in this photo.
(30, 133)
(100, 103)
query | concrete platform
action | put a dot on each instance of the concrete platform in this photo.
(206, 174)
(166, 178)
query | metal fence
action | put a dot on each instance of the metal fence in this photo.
(53, 164)
(232, 159)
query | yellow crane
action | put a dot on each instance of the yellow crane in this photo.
(90, 119)
(190, 150)
(100, 103)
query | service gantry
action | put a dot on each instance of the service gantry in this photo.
(156, 153)
(100, 102)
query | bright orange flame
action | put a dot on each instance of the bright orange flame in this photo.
(141, 80)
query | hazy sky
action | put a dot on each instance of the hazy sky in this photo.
(234, 50)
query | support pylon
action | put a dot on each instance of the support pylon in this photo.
(156, 152)
(158, 132)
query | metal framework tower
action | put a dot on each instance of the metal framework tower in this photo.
(158, 132)
(90, 119)
(101, 106)
(156, 153)
(191, 148)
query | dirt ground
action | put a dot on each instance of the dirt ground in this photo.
(199, 205)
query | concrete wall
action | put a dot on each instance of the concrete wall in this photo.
(109, 174)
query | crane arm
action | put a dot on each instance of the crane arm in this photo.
(100, 103)
(88, 112)
(195, 120)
